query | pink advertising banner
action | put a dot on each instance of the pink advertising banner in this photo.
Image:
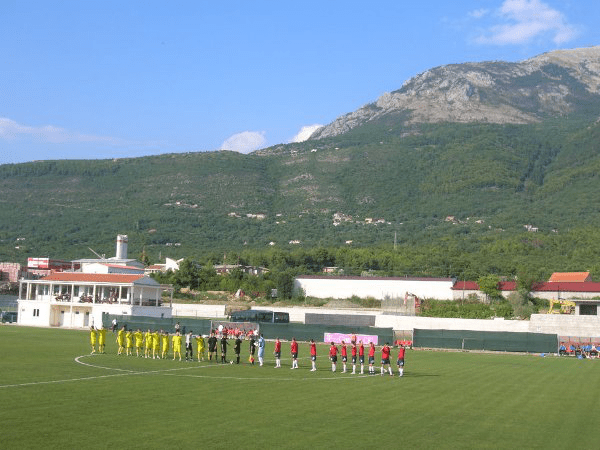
(337, 338)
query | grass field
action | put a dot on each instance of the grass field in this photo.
(56, 395)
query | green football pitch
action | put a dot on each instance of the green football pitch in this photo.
(56, 395)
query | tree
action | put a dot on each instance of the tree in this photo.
(187, 275)
(522, 307)
(489, 285)
(525, 283)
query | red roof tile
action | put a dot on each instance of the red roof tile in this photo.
(570, 277)
(588, 286)
(465, 286)
(93, 277)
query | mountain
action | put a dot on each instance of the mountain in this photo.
(554, 84)
(467, 153)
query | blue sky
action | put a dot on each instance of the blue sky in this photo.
(111, 79)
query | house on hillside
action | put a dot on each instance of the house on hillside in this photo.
(170, 264)
(10, 272)
(224, 269)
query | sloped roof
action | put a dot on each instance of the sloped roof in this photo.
(588, 286)
(465, 286)
(93, 277)
(569, 277)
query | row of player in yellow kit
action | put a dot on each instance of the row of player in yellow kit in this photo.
(155, 344)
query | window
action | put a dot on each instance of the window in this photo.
(36, 313)
(588, 310)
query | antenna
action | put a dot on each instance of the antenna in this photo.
(101, 257)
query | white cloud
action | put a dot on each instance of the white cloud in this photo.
(479, 13)
(245, 142)
(525, 20)
(305, 132)
(10, 130)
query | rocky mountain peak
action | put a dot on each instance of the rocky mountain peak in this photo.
(488, 92)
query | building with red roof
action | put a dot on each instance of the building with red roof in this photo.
(79, 298)
(570, 277)
(585, 294)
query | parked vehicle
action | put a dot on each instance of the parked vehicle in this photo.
(8, 316)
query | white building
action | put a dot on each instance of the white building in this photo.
(78, 299)
(380, 288)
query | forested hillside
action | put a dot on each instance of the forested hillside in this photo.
(389, 194)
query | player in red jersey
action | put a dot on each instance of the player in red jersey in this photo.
(353, 351)
(385, 359)
(333, 350)
(344, 357)
(313, 355)
(294, 350)
(401, 351)
(372, 358)
(361, 357)
(277, 353)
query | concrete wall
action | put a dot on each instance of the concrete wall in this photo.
(565, 325)
(196, 310)
(377, 288)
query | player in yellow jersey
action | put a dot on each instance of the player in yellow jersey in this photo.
(129, 342)
(155, 345)
(165, 344)
(93, 337)
(101, 339)
(200, 345)
(147, 343)
(121, 340)
(177, 345)
(139, 341)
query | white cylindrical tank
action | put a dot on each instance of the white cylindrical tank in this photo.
(122, 246)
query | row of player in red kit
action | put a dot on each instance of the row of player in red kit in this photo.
(355, 351)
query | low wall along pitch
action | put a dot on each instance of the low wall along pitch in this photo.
(486, 340)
